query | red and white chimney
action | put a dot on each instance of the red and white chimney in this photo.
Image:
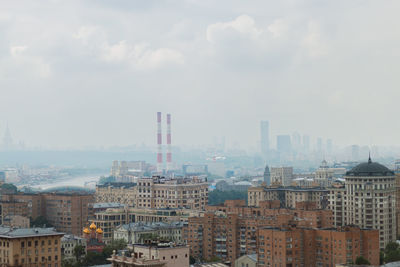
(169, 149)
(159, 144)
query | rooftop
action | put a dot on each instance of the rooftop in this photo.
(9, 232)
(370, 168)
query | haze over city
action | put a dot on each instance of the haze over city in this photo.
(77, 74)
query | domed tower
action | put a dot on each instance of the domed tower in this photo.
(267, 176)
(368, 200)
(92, 230)
(99, 234)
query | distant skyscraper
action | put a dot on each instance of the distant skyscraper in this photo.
(296, 138)
(329, 146)
(319, 144)
(355, 152)
(267, 176)
(283, 143)
(306, 143)
(264, 131)
(7, 140)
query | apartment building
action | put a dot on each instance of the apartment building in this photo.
(66, 211)
(153, 255)
(230, 231)
(289, 196)
(13, 208)
(157, 192)
(311, 247)
(139, 233)
(368, 200)
(30, 247)
(68, 244)
(282, 176)
(108, 220)
(124, 193)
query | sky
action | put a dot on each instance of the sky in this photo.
(95, 72)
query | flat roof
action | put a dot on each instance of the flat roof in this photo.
(9, 232)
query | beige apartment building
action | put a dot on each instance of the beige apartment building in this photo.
(367, 200)
(30, 247)
(157, 192)
(289, 197)
(281, 176)
(153, 255)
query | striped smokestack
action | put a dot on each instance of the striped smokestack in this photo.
(169, 152)
(159, 144)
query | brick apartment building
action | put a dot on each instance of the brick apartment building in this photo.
(67, 212)
(288, 246)
(230, 230)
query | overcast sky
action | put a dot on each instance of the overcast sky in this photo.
(81, 73)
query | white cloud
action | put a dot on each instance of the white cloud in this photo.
(243, 25)
(313, 41)
(278, 28)
(32, 64)
(139, 56)
(17, 50)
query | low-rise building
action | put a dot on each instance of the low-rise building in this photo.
(68, 244)
(246, 261)
(138, 233)
(30, 247)
(153, 255)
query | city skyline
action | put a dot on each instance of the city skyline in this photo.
(85, 82)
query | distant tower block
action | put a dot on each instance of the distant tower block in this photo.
(159, 144)
(169, 150)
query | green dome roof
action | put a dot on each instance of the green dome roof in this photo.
(370, 169)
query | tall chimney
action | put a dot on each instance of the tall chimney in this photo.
(159, 144)
(169, 152)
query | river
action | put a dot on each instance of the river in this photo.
(88, 180)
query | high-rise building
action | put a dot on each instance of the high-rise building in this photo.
(283, 143)
(294, 246)
(329, 147)
(368, 200)
(267, 176)
(264, 132)
(281, 176)
(319, 144)
(67, 212)
(296, 138)
(7, 140)
(289, 197)
(306, 143)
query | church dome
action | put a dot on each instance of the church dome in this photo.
(370, 169)
(93, 226)
(86, 231)
(99, 231)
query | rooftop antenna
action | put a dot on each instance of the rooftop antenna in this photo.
(369, 157)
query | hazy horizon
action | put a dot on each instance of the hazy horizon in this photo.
(94, 73)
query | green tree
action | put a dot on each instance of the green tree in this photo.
(116, 245)
(216, 197)
(40, 221)
(79, 251)
(104, 180)
(192, 260)
(392, 252)
(362, 261)
(9, 188)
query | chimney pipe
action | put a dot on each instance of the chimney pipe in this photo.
(159, 144)
(169, 152)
